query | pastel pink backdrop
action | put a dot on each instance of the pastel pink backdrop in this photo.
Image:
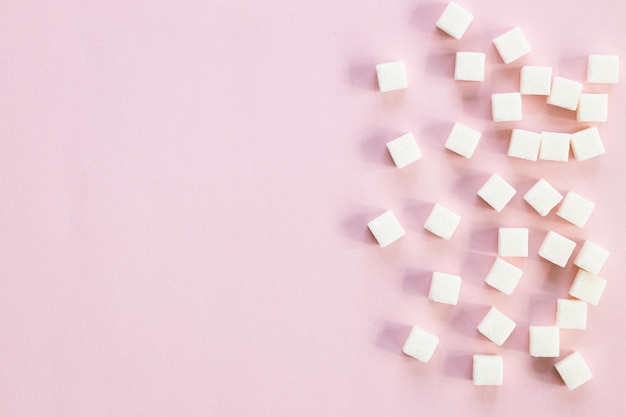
(185, 188)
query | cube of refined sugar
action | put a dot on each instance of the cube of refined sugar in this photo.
(391, 76)
(442, 222)
(386, 228)
(496, 327)
(469, 66)
(591, 257)
(506, 107)
(571, 314)
(524, 144)
(573, 370)
(543, 197)
(565, 93)
(587, 287)
(513, 241)
(603, 69)
(554, 146)
(454, 20)
(587, 144)
(512, 45)
(404, 150)
(503, 276)
(535, 80)
(463, 140)
(487, 370)
(576, 209)
(420, 344)
(544, 341)
(556, 249)
(496, 192)
(593, 108)
(444, 288)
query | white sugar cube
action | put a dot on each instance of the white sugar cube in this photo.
(506, 107)
(386, 228)
(444, 288)
(420, 344)
(463, 140)
(487, 370)
(469, 66)
(593, 108)
(573, 370)
(442, 222)
(587, 287)
(587, 144)
(565, 93)
(576, 209)
(454, 20)
(535, 80)
(544, 341)
(571, 314)
(591, 257)
(391, 76)
(554, 146)
(556, 249)
(503, 276)
(513, 241)
(496, 326)
(496, 192)
(512, 45)
(543, 197)
(404, 150)
(603, 69)
(524, 144)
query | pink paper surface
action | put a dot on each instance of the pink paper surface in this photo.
(185, 191)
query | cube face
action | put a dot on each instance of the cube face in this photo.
(404, 150)
(603, 69)
(565, 93)
(571, 314)
(496, 327)
(506, 107)
(593, 108)
(386, 228)
(587, 287)
(469, 66)
(512, 45)
(513, 241)
(455, 20)
(391, 76)
(573, 370)
(496, 192)
(587, 144)
(543, 197)
(575, 209)
(591, 257)
(524, 144)
(554, 146)
(445, 288)
(556, 249)
(503, 276)
(487, 370)
(536, 80)
(544, 341)
(420, 344)
(442, 222)
(463, 140)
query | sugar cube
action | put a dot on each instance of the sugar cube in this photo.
(506, 107)
(391, 76)
(469, 66)
(573, 370)
(603, 69)
(386, 228)
(496, 327)
(556, 249)
(587, 287)
(455, 20)
(524, 144)
(576, 209)
(503, 276)
(591, 257)
(462, 140)
(571, 314)
(535, 80)
(587, 144)
(593, 108)
(565, 93)
(442, 222)
(513, 241)
(554, 146)
(496, 192)
(404, 150)
(512, 45)
(444, 288)
(544, 341)
(487, 370)
(420, 344)
(543, 197)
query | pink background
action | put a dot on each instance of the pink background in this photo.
(185, 188)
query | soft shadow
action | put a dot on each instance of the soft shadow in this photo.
(425, 16)
(362, 75)
(434, 135)
(415, 213)
(544, 370)
(518, 340)
(497, 140)
(542, 309)
(417, 281)
(374, 146)
(441, 64)
(458, 364)
(466, 318)
(355, 225)
(476, 267)
(484, 239)
(466, 188)
(392, 337)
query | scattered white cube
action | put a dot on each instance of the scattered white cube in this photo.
(463, 140)
(543, 197)
(554, 146)
(496, 327)
(587, 287)
(391, 76)
(420, 344)
(524, 144)
(513, 241)
(573, 370)
(556, 249)
(469, 66)
(444, 288)
(544, 341)
(591, 257)
(576, 209)
(587, 144)
(593, 108)
(487, 370)
(442, 222)
(496, 192)
(565, 93)
(603, 69)
(455, 20)
(535, 80)
(386, 228)
(506, 107)
(571, 314)
(404, 150)
(512, 45)
(503, 276)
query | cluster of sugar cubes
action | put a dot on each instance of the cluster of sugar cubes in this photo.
(587, 287)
